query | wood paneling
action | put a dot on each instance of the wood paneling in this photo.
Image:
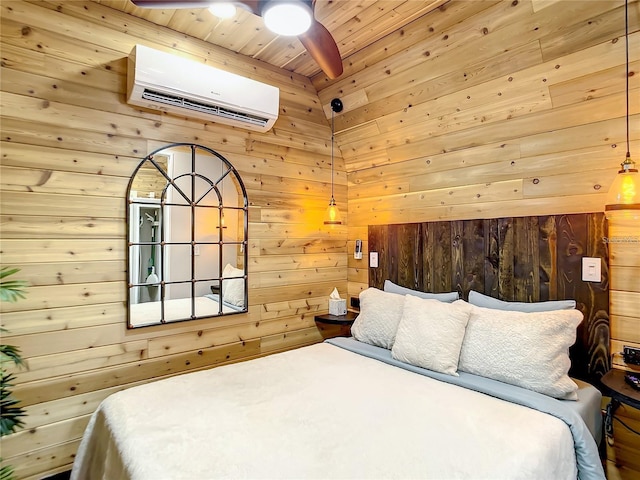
(623, 452)
(69, 146)
(461, 127)
(478, 110)
(624, 246)
(353, 24)
(450, 134)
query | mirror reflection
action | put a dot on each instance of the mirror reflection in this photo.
(187, 217)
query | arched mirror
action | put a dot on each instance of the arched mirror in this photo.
(187, 213)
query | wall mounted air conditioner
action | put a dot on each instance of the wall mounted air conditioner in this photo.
(177, 85)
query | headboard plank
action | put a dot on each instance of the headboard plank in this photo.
(506, 245)
(473, 259)
(457, 255)
(408, 240)
(547, 243)
(526, 259)
(491, 257)
(378, 235)
(441, 260)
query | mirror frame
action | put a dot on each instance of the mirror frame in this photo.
(227, 169)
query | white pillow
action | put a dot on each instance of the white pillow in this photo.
(377, 322)
(481, 300)
(391, 287)
(530, 350)
(233, 290)
(430, 333)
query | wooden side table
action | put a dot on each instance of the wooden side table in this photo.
(621, 392)
(335, 325)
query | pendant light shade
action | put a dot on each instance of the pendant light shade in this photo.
(332, 216)
(623, 200)
(624, 195)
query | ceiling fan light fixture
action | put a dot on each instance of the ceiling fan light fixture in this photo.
(223, 9)
(288, 18)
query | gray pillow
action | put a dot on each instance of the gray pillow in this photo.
(480, 300)
(391, 287)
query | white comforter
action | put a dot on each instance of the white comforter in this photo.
(150, 313)
(318, 412)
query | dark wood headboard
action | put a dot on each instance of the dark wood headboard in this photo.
(526, 259)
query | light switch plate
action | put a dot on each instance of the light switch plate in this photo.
(357, 254)
(373, 259)
(591, 269)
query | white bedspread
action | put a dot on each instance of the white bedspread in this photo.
(318, 412)
(149, 313)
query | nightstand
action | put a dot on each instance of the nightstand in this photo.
(335, 325)
(623, 447)
(621, 392)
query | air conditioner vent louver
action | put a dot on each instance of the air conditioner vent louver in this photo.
(182, 102)
(176, 85)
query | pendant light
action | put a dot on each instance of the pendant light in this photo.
(332, 217)
(623, 200)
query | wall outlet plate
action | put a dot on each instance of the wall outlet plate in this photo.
(591, 269)
(373, 259)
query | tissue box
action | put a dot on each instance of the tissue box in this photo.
(337, 307)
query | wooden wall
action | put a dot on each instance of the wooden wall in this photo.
(486, 109)
(524, 259)
(69, 145)
(624, 248)
(490, 109)
(481, 109)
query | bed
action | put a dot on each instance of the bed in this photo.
(348, 409)
(149, 313)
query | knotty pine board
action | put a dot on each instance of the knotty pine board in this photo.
(63, 110)
(625, 295)
(69, 145)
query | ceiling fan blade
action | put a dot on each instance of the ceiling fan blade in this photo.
(251, 5)
(318, 41)
(171, 3)
(320, 44)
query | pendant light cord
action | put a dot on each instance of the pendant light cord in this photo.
(626, 36)
(332, 114)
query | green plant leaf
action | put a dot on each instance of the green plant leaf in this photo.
(10, 353)
(7, 271)
(10, 412)
(6, 472)
(11, 290)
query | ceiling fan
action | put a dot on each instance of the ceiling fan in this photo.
(317, 40)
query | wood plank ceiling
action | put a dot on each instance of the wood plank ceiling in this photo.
(354, 24)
